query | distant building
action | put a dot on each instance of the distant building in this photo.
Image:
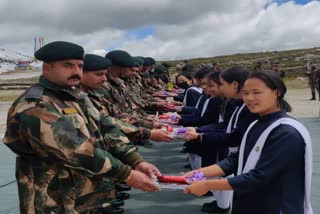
(23, 65)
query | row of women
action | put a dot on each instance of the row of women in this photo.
(257, 158)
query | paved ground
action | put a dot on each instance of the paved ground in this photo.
(169, 160)
(19, 75)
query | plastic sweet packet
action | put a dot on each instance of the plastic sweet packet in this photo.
(179, 133)
(197, 176)
(176, 132)
(165, 118)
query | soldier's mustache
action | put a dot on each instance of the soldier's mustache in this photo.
(75, 77)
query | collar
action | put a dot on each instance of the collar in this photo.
(73, 92)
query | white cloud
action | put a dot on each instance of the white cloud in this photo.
(183, 29)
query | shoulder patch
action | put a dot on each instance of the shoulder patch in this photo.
(69, 111)
(35, 92)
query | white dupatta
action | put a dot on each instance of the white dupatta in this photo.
(205, 106)
(186, 94)
(235, 114)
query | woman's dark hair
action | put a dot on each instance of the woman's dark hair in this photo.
(237, 73)
(274, 82)
(214, 76)
(187, 75)
(203, 72)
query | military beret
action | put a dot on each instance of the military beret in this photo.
(92, 62)
(139, 59)
(152, 61)
(121, 58)
(59, 50)
(147, 61)
(159, 69)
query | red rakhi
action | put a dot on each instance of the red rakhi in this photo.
(172, 179)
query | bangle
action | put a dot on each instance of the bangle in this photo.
(130, 175)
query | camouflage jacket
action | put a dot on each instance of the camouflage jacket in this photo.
(134, 92)
(62, 151)
(314, 75)
(105, 96)
(120, 96)
(145, 91)
(132, 132)
(145, 82)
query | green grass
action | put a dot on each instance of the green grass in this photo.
(293, 61)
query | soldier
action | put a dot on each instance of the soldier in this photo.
(275, 67)
(124, 65)
(94, 75)
(146, 76)
(258, 66)
(216, 67)
(313, 76)
(62, 145)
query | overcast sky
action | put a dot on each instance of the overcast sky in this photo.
(164, 29)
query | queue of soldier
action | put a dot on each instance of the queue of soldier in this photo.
(76, 132)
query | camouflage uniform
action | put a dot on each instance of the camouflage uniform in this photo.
(64, 151)
(146, 91)
(111, 101)
(146, 83)
(103, 106)
(314, 82)
(134, 92)
(120, 96)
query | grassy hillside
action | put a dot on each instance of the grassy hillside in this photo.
(293, 61)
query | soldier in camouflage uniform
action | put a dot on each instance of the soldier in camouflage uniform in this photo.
(64, 149)
(95, 69)
(145, 77)
(125, 71)
(313, 75)
(148, 103)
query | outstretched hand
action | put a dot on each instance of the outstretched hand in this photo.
(148, 168)
(198, 188)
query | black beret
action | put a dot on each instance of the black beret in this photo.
(92, 62)
(121, 58)
(147, 61)
(152, 61)
(59, 50)
(159, 69)
(139, 59)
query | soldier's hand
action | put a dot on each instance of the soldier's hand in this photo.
(157, 125)
(141, 181)
(161, 105)
(151, 117)
(160, 135)
(148, 168)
